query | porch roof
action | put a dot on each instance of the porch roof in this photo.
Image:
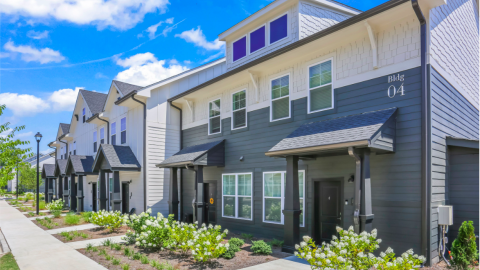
(115, 158)
(207, 154)
(79, 165)
(60, 166)
(48, 171)
(374, 129)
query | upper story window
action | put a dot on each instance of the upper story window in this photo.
(74, 148)
(279, 28)
(123, 130)
(102, 135)
(280, 107)
(237, 195)
(239, 110)
(257, 39)
(240, 48)
(94, 141)
(61, 153)
(320, 86)
(113, 138)
(83, 115)
(214, 122)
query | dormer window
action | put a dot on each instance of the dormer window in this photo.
(240, 48)
(278, 28)
(83, 115)
(257, 39)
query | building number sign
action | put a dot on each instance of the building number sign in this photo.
(392, 90)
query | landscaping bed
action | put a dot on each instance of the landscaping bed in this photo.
(60, 222)
(87, 234)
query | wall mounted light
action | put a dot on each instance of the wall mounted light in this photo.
(241, 158)
(351, 179)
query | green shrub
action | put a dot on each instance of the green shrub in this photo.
(41, 205)
(94, 249)
(87, 215)
(260, 247)
(144, 259)
(55, 205)
(136, 256)
(236, 242)
(72, 219)
(276, 243)
(126, 266)
(89, 247)
(31, 214)
(230, 253)
(102, 252)
(111, 220)
(235, 245)
(464, 247)
(127, 252)
(116, 261)
(108, 257)
(56, 213)
(247, 236)
(107, 242)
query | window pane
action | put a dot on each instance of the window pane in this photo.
(326, 75)
(239, 100)
(273, 210)
(300, 184)
(239, 118)
(114, 139)
(94, 136)
(320, 74)
(280, 87)
(301, 215)
(273, 182)
(114, 128)
(214, 108)
(102, 133)
(239, 48)
(229, 185)
(278, 29)
(123, 124)
(215, 125)
(83, 111)
(244, 185)
(229, 206)
(314, 75)
(123, 137)
(257, 39)
(245, 207)
(280, 108)
(321, 98)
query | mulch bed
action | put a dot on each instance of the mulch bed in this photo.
(95, 233)
(442, 266)
(61, 223)
(41, 214)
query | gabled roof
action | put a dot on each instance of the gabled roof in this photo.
(125, 88)
(79, 165)
(65, 128)
(60, 166)
(48, 171)
(115, 158)
(208, 154)
(94, 100)
(371, 129)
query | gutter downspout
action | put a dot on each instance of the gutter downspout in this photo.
(108, 127)
(181, 169)
(144, 152)
(357, 194)
(425, 135)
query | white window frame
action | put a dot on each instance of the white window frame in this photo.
(288, 28)
(220, 115)
(246, 112)
(247, 50)
(310, 89)
(282, 196)
(265, 37)
(237, 196)
(289, 94)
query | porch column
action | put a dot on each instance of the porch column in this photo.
(50, 190)
(200, 204)
(173, 202)
(73, 194)
(116, 199)
(366, 215)
(103, 191)
(80, 195)
(47, 193)
(66, 192)
(60, 188)
(291, 212)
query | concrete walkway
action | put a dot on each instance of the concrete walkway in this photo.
(287, 263)
(42, 217)
(72, 228)
(95, 242)
(36, 249)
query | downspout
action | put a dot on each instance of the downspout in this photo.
(181, 169)
(144, 152)
(108, 127)
(425, 135)
(357, 194)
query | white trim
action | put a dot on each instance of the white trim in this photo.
(271, 100)
(219, 116)
(246, 48)
(309, 111)
(265, 38)
(244, 108)
(288, 27)
(373, 44)
(236, 196)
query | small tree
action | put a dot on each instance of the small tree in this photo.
(464, 247)
(28, 176)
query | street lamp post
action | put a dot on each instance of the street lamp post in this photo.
(38, 137)
(17, 182)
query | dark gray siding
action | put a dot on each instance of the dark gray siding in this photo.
(452, 115)
(395, 177)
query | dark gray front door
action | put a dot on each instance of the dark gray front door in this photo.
(125, 198)
(328, 214)
(94, 196)
(211, 202)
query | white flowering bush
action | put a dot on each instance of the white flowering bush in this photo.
(111, 220)
(352, 251)
(55, 205)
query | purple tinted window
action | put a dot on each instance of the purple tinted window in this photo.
(239, 48)
(257, 39)
(278, 29)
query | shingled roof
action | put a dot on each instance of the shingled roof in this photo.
(48, 171)
(126, 88)
(60, 166)
(65, 128)
(94, 100)
(365, 129)
(115, 158)
(209, 154)
(79, 165)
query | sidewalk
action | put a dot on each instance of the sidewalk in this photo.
(35, 248)
(288, 263)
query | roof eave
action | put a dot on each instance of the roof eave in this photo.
(315, 149)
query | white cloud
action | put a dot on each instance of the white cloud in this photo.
(197, 37)
(121, 14)
(212, 57)
(25, 134)
(152, 30)
(37, 35)
(64, 99)
(145, 69)
(100, 75)
(29, 54)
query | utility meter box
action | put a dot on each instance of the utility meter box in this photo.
(445, 215)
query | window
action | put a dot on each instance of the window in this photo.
(257, 39)
(274, 196)
(61, 153)
(74, 148)
(237, 196)
(280, 107)
(83, 115)
(240, 48)
(320, 94)
(239, 111)
(214, 122)
(123, 130)
(278, 29)
(94, 141)
(114, 133)
(102, 135)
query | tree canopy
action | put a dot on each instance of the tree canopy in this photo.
(27, 176)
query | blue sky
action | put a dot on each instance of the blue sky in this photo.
(51, 48)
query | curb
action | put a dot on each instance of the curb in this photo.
(4, 248)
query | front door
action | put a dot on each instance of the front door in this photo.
(328, 209)
(125, 198)
(210, 195)
(94, 197)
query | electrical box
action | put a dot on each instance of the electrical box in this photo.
(445, 215)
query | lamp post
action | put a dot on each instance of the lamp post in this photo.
(38, 138)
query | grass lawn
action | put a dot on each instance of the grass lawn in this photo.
(7, 262)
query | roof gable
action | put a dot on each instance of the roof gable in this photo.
(60, 166)
(115, 158)
(94, 100)
(48, 171)
(79, 165)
